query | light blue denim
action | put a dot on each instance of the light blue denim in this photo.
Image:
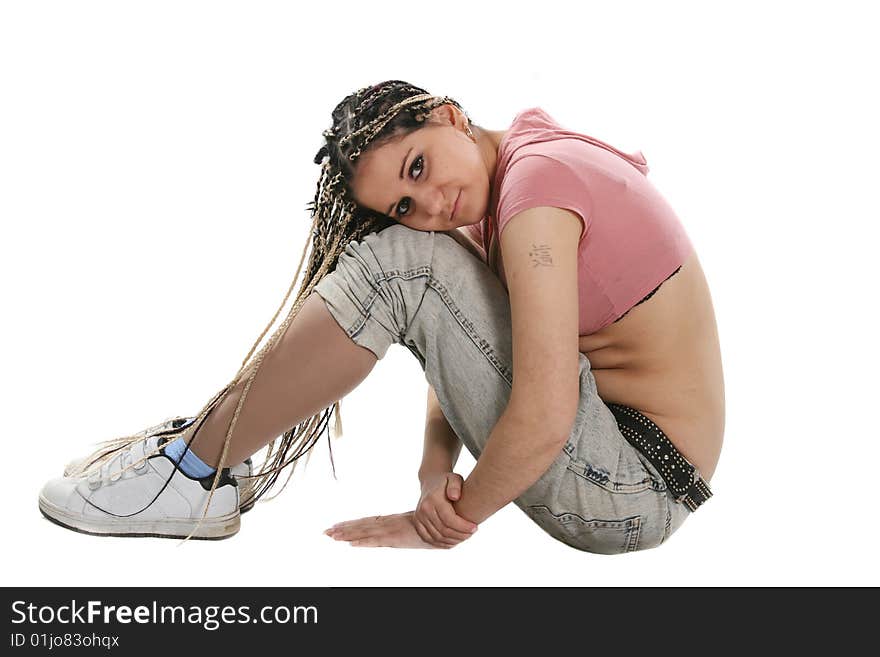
(427, 292)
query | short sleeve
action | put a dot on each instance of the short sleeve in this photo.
(536, 180)
(475, 232)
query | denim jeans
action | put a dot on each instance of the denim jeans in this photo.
(427, 292)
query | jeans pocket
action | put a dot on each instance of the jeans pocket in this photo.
(598, 535)
(629, 477)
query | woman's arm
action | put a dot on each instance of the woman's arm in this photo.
(540, 264)
(519, 450)
(442, 446)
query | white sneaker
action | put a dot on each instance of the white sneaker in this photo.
(173, 427)
(140, 492)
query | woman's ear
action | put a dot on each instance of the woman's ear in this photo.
(449, 115)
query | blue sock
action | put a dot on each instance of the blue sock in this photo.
(191, 464)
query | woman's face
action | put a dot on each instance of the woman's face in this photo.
(416, 180)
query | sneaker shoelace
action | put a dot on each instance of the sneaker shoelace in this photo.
(134, 458)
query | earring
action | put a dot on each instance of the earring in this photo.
(470, 133)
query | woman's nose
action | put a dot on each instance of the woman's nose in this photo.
(433, 202)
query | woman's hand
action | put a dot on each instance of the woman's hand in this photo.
(396, 530)
(435, 518)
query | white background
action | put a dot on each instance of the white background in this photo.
(155, 164)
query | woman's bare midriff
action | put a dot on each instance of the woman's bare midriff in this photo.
(664, 360)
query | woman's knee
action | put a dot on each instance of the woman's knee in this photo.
(404, 242)
(378, 284)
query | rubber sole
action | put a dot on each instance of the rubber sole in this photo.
(212, 529)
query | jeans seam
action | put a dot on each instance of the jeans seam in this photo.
(625, 523)
(634, 535)
(383, 277)
(668, 523)
(380, 280)
(632, 525)
(443, 292)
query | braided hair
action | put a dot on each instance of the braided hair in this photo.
(371, 117)
(368, 118)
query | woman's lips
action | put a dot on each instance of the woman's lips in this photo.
(455, 207)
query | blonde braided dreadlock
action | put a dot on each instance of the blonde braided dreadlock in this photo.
(369, 117)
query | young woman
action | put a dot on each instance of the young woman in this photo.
(535, 250)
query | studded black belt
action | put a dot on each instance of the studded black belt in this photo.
(680, 475)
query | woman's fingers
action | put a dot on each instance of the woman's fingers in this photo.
(453, 525)
(447, 534)
(354, 529)
(431, 522)
(435, 526)
(425, 534)
(454, 483)
(358, 522)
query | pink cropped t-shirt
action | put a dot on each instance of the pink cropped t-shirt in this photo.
(631, 240)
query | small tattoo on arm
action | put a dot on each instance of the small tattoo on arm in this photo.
(540, 255)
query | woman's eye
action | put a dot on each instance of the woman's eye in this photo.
(412, 167)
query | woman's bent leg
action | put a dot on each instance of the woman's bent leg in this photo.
(425, 291)
(313, 365)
